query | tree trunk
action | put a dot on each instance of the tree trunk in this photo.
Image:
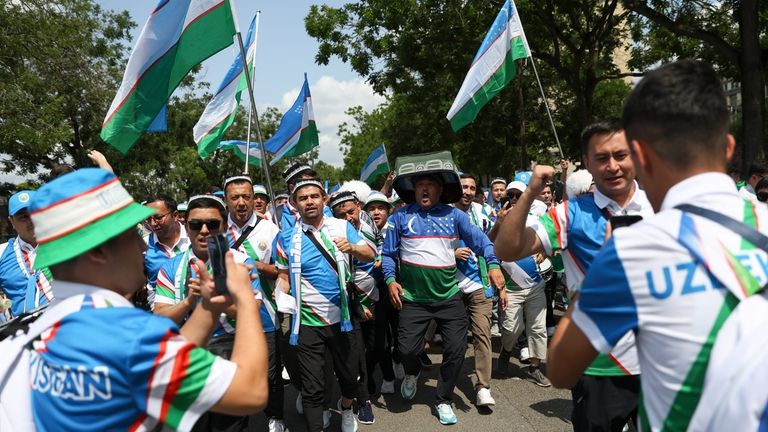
(752, 83)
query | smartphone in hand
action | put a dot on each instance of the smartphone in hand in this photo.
(217, 248)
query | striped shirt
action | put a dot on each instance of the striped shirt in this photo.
(673, 280)
(111, 366)
(577, 229)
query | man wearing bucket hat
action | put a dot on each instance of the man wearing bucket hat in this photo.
(422, 237)
(141, 370)
(25, 287)
(313, 258)
(261, 202)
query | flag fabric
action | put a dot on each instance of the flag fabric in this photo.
(335, 188)
(177, 36)
(238, 148)
(221, 110)
(160, 123)
(375, 165)
(492, 68)
(297, 133)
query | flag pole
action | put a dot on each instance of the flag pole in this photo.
(250, 107)
(264, 162)
(538, 80)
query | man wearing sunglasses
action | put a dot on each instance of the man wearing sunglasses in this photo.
(177, 290)
(167, 238)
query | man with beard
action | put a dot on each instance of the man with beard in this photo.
(498, 186)
(314, 260)
(141, 371)
(178, 291)
(472, 274)
(606, 395)
(287, 213)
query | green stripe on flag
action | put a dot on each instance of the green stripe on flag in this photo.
(308, 140)
(208, 35)
(381, 169)
(492, 87)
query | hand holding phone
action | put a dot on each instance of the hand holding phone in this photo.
(217, 249)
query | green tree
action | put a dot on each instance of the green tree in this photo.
(418, 53)
(705, 29)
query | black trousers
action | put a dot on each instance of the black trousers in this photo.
(603, 404)
(385, 348)
(214, 422)
(314, 343)
(452, 324)
(289, 357)
(549, 291)
(276, 390)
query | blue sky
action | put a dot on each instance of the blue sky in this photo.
(284, 52)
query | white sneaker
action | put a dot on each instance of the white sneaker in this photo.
(348, 420)
(276, 425)
(387, 387)
(285, 374)
(524, 355)
(399, 371)
(327, 419)
(299, 406)
(484, 398)
(409, 386)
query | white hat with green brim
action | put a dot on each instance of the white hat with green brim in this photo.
(79, 211)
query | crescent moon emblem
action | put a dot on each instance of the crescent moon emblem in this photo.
(410, 225)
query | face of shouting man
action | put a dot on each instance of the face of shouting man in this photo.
(201, 224)
(378, 211)
(427, 192)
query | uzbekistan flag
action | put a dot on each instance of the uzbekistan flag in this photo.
(178, 35)
(238, 148)
(220, 112)
(375, 165)
(493, 67)
(297, 133)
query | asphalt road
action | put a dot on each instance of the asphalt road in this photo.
(521, 405)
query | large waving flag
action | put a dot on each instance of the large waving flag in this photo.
(178, 35)
(375, 165)
(493, 67)
(220, 112)
(297, 133)
(238, 148)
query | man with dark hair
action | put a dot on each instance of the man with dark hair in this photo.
(605, 397)
(287, 213)
(166, 239)
(314, 259)
(254, 236)
(675, 279)
(25, 287)
(422, 238)
(472, 275)
(756, 172)
(141, 372)
(178, 290)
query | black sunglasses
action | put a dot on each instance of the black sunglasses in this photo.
(197, 225)
(515, 195)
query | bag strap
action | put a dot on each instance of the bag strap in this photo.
(245, 234)
(752, 235)
(322, 250)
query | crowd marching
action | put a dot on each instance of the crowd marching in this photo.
(663, 318)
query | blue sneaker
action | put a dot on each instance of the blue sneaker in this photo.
(445, 414)
(409, 386)
(365, 413)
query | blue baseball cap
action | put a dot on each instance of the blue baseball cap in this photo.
(523, 177)
(19, 201)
